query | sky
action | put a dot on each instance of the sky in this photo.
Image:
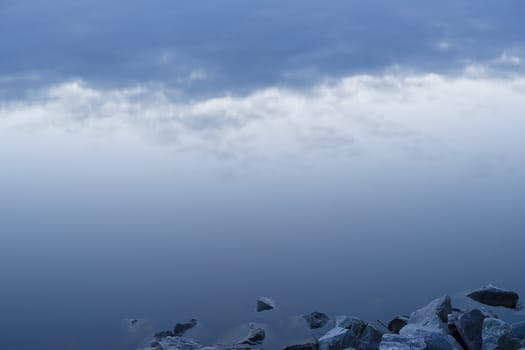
(137, 137)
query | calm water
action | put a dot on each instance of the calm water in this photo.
(74, 263)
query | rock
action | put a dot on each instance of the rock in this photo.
(498, 335)
(337, 338)
(181, 328)
(356, 325)
(176, 343)
(494, 296)
(264, 304)
(371, 336)
(397, 323)
(307, 345)
(163, 334)
(419, 340)
(156, 346)
(469, 326)
(316, 319)
(255, 337)
(433, 317)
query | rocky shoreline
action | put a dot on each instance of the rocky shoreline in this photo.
(436, 326)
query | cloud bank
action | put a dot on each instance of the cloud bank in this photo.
(472, 122)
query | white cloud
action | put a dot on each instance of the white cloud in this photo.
(383, 119)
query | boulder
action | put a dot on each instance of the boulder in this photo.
(356, 325)
(419, 340)
(469, 327)
(494, 296)
(397, 323)
(371, 336)
(307, 345)
(181, 328)
(433, 317)
(316, 319)
(264, 304)
(497, 335)
(337, 338)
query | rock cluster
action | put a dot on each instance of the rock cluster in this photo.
(436, 326)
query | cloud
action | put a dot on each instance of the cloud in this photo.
(474, 118)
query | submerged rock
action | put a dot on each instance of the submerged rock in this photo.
(397, 323)
(264, 304)
(255, 337)
(494, 296)
(316, 319)
(433, 317)
(307, 345)
(163, 334)
(419, 340)
(181, 328)
(469, 326)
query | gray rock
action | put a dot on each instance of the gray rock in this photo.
(176, 343)
(316, 319)
(181, 328)
(433, 317)
(353, 323)
(397, 323)
(371, 336)
(255, 337)
(419, 340)
(337, 338)
(494, 296)
(264, 304)
(469, 327)
(497, 335)
(307, 345)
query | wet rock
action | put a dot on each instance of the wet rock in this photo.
(156, 346)
(419, 340)
(371, 336)
(181, 328)
(307, 345)
(469, 326)
(264, 304)
(316, 319)
(337, 338)
(176, 343)
(356, 325)
(255, 337)
(397, 323)
(433, 317)
(494, 296)
(163, 334)
(497, 335)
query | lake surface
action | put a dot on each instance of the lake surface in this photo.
(76, 261)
